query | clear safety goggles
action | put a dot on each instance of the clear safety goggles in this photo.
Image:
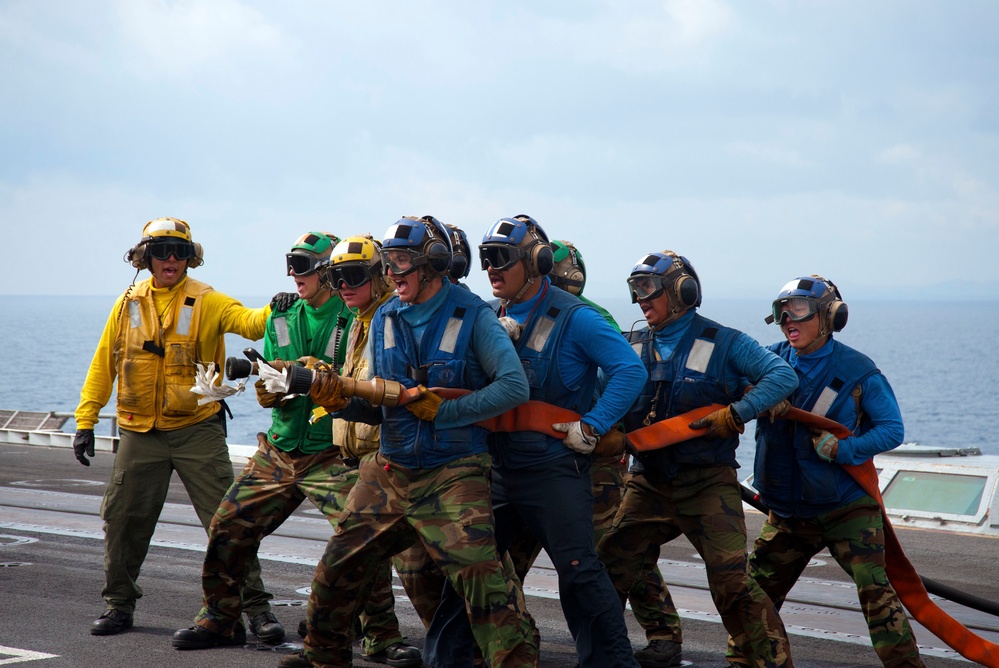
(646, 286)
(351, 275)
(162, 250)
(500, 256)
(795, 309)
(402, 262)
(303, 264)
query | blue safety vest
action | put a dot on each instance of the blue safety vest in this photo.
(538, 348)
(438, 361)
(790, 476)
(692, 377)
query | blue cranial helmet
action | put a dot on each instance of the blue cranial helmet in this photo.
(804, 297)
(669, 273)
(509, 240)
(425, 239)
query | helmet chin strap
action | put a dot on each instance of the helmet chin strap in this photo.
(318, 296)
(674, 313)
(425, 280)
(532, 276)
(819, 341)
(520, 293)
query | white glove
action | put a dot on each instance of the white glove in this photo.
(275, 381)
(205, 378)
(512, 327)
(576, 437)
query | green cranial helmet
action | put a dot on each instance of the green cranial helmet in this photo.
(310, 253)
(570, 270)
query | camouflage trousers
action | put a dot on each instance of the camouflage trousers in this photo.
(448, 510)
(650, 602)
(854, 535)
(422, 579)
(134, 498)
(705, 506)
(272, 485)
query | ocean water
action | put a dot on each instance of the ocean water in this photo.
(940, 358)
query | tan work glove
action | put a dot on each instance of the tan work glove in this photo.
(327, 389)
(426, 406)
(279, 364)
(779, 411)
(512, 327)
(723, 423)
(308, 361)
(265, 398)
(826, 445)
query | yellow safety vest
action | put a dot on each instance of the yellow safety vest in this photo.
(155, 361)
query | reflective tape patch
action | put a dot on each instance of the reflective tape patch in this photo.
(539, 335)
(281, 331)
(450, 338)
(184, 320)
(824, 401)
(637, 347)
(134, 315)
(700, 355)
(389, 334)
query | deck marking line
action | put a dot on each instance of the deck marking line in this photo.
(22, 655)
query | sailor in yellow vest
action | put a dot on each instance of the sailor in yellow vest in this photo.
(158, 329)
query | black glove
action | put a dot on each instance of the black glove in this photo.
(83, 442)
(282, 301)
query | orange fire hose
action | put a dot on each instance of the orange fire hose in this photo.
(539, 416)
(901, 573)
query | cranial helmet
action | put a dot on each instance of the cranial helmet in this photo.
(802, 298)
(425, 239)
(356, 261)
(569, 272)
(666, 273)
(461, 253)
(162, 237)
(310, 253)
(509, 240)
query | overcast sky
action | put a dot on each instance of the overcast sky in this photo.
(763, 140)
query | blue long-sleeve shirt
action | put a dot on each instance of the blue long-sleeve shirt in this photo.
(588, 340)
(492, 352)
(877, 401)
(771, 377)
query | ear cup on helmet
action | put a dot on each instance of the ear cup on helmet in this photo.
(459, 267)
(574, 280)
(542, 258)
(686, 291)
(198, 258)
(438, 256)
(136, 256)
(836, 316)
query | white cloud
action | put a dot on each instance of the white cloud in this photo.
(938, 170)
(177, 38)
(667, 35)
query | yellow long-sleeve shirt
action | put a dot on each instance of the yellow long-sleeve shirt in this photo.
(220, 314)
